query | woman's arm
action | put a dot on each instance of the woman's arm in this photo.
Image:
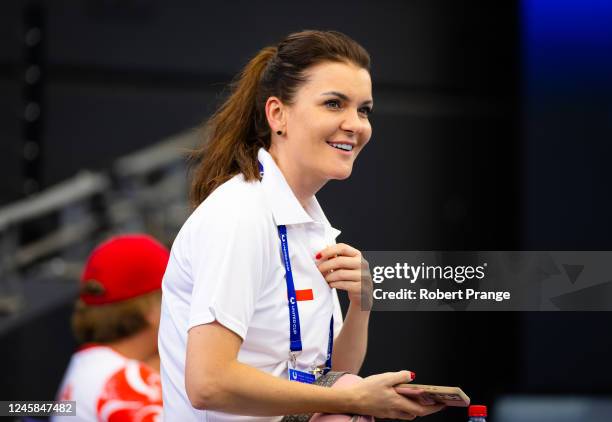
(352, 342)
(215, 380)
(344, 268)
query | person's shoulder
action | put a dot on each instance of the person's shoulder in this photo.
(236, 200)
(98, 353)
(87, 373)
(235, 191)
(95, 362)
(236, 206)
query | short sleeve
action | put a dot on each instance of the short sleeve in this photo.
(338, 319)
(228, 255)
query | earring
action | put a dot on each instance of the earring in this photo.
(279, 132)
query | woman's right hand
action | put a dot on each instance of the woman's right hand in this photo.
(376, 396)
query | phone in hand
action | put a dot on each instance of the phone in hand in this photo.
(430, 394)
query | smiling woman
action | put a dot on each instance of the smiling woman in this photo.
(251, 327)
(309, 75)
(323, 130)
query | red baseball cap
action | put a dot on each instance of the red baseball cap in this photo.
(122, 268)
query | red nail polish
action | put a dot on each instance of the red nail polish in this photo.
(318, 255)
(412, 375)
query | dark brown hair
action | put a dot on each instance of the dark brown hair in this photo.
(237, 130)
(113, 321)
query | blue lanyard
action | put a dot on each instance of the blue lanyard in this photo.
(295, 337)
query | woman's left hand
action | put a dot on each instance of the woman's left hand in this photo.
(344, 268)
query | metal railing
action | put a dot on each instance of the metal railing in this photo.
(145, 191)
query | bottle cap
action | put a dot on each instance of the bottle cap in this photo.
(477, 410)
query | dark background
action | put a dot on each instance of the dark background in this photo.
(492, 130)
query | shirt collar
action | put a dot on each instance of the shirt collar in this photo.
(286, 208)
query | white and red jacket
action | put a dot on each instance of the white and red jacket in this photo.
(108, 387)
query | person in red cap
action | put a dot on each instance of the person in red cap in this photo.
(114, 376)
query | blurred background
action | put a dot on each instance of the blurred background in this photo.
(492, 131)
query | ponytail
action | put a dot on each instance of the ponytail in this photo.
(239, 128)
(235, 133)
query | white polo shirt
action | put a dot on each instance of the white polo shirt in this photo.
(226, 265)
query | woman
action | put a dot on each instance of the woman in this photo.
(249, 292)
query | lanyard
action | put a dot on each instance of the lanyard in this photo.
(295, 337)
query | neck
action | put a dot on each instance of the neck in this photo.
(303, 185)
(141, 346)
